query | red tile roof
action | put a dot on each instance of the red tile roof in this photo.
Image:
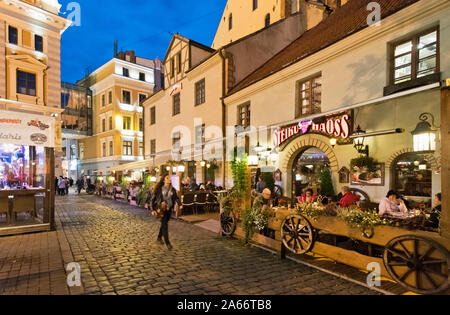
(345, 21)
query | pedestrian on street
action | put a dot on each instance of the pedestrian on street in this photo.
(61, 186)
(67, 185)
(56, 185)
(80, 185)
(164, 200)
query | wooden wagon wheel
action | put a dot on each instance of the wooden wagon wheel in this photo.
(419, 264)
(297, 234)
(228, 223)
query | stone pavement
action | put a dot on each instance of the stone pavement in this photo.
(115, 246)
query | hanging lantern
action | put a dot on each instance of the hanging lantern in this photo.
(358, 140)
(181, 169)
(424, 136)
(203, 163)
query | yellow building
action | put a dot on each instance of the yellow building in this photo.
(243, 17)
(118, 89)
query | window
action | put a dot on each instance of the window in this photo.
(415, 58)
(127, 148)
(110, 123)
(267, 21)
(230, 22)
(110, 97)
(38, 43)
(141, 124)
(200, 92)
(179, 62)
(153, 147)
(244, 115)
(255, 5)
(26, 83)
(141, 148)
(111, 148)
(152, 115)
(126, 123)
(126, 72)
(103, 125)
(176, 142)
(142, 98)
(172, 68)
(142, 76)
(309, 97)
(104, 149)
(176, 104)
(12, 35)
(126, 97)
(199, 136)
(103, 100)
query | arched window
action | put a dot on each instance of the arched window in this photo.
(267, 21)
(230, 21)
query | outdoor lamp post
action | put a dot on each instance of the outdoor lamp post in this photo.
(359, 141)
(424, 136)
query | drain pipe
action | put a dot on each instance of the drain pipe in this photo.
(224, 142)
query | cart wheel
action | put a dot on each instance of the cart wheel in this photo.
(297, 234)
(228, 223)
(419, 264)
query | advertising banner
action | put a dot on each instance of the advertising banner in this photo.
(27, 129)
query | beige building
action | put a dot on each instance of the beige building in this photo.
(241, 18)
(118, 89)
(367, 79)
(30, 66)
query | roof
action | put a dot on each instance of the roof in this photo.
(345, 21)
(189, 41)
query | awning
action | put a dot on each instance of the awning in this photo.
(132, 166)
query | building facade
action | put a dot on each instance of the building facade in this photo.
(311, 101)
(241, 18)
(118, 89)
(77, 120)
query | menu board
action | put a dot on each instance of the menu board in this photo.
(27, 129)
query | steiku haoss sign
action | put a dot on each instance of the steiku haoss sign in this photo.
(337, 126)
(25, 129)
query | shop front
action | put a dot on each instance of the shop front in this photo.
(27, 173)
(371, 149)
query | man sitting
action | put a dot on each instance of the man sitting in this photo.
(433, 221)
(348, 198)
(262, 202)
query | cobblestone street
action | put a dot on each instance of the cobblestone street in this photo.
(115, 245)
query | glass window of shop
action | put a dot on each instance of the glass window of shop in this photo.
(22, 186)
(412, 177)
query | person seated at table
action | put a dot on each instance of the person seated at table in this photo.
(348, 198)
(391, 205)
(210, 186)
(263, 201)
(433, 221)
(308, 197)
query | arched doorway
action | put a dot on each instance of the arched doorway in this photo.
(306, 170)
(411, 175)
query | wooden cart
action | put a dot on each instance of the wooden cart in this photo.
(417, 260)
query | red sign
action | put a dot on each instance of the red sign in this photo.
(333, 127)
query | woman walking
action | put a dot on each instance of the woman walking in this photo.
(163, 202)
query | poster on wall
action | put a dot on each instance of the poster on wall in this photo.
(363, 176)
(26, 129)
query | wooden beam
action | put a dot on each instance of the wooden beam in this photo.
(445, 173)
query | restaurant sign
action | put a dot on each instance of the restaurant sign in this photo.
(332, 126)
(26, 129)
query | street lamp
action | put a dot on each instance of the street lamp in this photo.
(424, 136)
(359, 136)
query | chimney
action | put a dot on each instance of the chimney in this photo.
(130, 56)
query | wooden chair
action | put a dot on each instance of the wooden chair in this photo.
(187, 201)
(200, 201)
(211, 202)
(4, 207)
(24, 204)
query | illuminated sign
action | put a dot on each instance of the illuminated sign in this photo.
(338, 127)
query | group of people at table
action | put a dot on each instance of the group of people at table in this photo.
(393, 205)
